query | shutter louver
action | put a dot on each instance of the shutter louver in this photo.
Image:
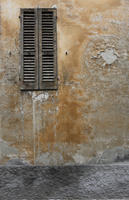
(39, 49)
(29, 69)
(48, 58)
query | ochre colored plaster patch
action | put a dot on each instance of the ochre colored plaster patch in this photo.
(81, 112)
(102, 5)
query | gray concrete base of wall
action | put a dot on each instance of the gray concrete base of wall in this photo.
(69, 182)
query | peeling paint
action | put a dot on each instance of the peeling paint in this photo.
(109, 56)
(40, 97)
(54, 6)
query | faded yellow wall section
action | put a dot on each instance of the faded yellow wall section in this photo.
(89, 113)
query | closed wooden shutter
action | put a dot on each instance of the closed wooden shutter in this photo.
(47, 49)
(29, 49)
(39, 49)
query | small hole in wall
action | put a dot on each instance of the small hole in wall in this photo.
(10, 53)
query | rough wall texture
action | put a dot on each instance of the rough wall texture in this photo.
(86, 120)
(64, 183)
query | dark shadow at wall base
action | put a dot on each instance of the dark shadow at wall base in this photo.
(69, 182)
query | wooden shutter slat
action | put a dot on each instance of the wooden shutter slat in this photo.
(29, 49)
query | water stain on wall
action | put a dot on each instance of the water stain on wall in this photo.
(80, 120)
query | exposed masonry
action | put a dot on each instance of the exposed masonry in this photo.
(109, 56)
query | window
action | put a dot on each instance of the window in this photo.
(38, 49)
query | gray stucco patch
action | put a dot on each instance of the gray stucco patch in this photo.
(69, 183)
(110, 156)
(16, 161)
(49, 159)
(7, 150)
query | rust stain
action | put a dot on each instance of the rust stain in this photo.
(2, 75)
(26, 147)
(8, 28)
(13, 102)
(70, 64)
(69, 122)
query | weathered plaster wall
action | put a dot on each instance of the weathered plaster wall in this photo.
(86, 120)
